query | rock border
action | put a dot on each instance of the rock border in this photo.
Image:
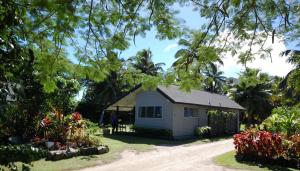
(71, 152)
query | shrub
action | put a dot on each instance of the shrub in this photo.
(259, 143)
(153, 132)
(22, 153)
(203, 131)
(268, 147)
(222, 122)
(284, 120)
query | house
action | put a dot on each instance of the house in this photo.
(173, 109)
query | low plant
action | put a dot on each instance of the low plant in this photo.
(153, 132)
(19, 153)
(67, 131)
(283, 120)
(203, 131)
(259, 143)
(268, 147)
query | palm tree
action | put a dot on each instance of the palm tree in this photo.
(214, 81)
(290, 85)
(143, 62)
(253, 93)
(192, 52)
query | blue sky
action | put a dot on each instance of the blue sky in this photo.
(164, 50)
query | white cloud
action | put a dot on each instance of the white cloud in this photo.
(275, 66)
(170, 47)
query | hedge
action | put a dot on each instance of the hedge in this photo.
(222, 122)
(153, 132)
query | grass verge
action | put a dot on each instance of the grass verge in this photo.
(117, 144)
(228, 160)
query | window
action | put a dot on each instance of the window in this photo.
(191, 112)
(150, 112)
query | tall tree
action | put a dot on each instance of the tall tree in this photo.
(142, 61)
(214, 79)
(193, 59)
(290, 85)
(253, 93)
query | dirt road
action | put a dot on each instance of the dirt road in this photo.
(173, 158)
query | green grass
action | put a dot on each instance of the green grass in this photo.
(228, 160)
(117, 144)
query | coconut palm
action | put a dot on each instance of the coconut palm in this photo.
(193, 52)
(143, 61)
(290, 85)
(214, 81)
(253, 93)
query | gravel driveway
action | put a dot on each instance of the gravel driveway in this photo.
(173, 158)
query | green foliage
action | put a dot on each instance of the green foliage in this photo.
(284, 120)
(20, 153)
(214, 81)
(222, 122)
(253, 93)
(203, 131)
(106, 27)
(153, 132)
(143, 62)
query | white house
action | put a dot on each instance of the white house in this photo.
(173, 109)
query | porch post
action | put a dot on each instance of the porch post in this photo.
(117, 114)
(238, 121)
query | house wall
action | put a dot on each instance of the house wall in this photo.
(172, 115)
(154, 98)
(184, 127)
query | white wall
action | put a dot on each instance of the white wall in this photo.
(185, 126)
(154, 98)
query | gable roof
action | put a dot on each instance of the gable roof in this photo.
(197, 97)
(175, 95)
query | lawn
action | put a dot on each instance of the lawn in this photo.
(228, 160)
(117, 144)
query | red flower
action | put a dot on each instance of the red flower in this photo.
(46, 122)
(76, 116)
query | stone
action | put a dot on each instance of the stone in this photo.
(88, 151)
(103, 149)
(56, 155)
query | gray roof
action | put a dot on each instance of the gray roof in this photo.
(198, 97)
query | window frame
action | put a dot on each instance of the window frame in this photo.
(192, 114)
(140, 110)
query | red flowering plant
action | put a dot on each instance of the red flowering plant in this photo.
(75, 124)
(259, 143)
(53, 126)
(76, 116)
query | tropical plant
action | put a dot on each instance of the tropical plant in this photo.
(259, 144)
(203, 131)
(214, 79)
(283, 120)
(142, 61)
(192, 60)
(253, 93)
(268, 147)
(222, 122)
(290, 84)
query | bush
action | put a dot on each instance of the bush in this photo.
(267, 147)
(284, 120)
(22, 153)
(202, 132)
(222, 122)
(153, 132)
(259, 143)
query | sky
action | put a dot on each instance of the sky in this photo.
(164, 50)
